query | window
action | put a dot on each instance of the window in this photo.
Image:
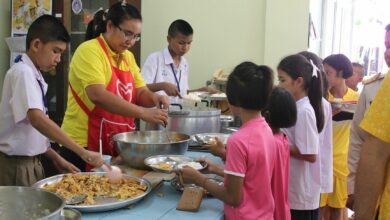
(355, 28)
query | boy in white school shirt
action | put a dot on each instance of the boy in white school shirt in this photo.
(25, 127)
(166, 71)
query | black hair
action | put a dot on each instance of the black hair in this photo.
(93, 28)
(341, 64)
(318, 62)
(249, 86)
(281, 110)
(180, 26)
(117, 13)
(387, 28)
(356, 64)
(298, 66)
(47, 28)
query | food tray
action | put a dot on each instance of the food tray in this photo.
(175, 183)
(206, 137)
(214, 97)
(173, 160)
(105, 204)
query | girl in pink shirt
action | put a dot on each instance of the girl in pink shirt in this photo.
(250, 152)
(281, 112)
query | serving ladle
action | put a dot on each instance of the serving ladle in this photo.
(75, 200)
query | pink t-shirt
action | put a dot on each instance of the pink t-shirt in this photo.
(250, 154)
(280, 178)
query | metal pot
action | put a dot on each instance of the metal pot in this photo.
(29, 203)
(134, 147)
(194, 120)
(226, 121)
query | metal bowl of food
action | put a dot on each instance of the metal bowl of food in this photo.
(29, 203)
(134, 147)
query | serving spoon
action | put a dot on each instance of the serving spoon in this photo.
(165, 128)
(75, 200)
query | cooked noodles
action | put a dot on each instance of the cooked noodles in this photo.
(90, 185)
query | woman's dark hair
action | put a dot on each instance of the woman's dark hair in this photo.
(180, 26)
(341, 64)
(249, 86)
(281, 110)
(47, 28)
(93, 28)
(318, 62)
(117, 13)
(298, 66)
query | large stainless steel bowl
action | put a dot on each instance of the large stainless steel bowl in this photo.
(135, 146)
(29, 203)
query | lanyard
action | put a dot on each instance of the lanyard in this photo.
(44, 99)
(174, 74)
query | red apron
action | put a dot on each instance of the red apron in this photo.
(102, 125)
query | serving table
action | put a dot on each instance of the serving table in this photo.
(161, 203)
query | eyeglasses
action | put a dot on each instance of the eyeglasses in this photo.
(129, 35)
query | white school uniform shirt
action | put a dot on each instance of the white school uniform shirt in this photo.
(305, 180)
(157, 68)
(326, 149)
(21, 92)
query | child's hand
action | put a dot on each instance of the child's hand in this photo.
(212, 167)
(64, 166)
(217, 148)
(92, 158)
(212, 90)
(189, 175)
(171, 89)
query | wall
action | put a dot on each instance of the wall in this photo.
(226, 32)
(5, 31)
(286, 29)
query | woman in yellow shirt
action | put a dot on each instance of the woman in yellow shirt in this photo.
(338, 68)
(106, 89)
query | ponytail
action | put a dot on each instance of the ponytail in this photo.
(97, 25)
(315, 96)
(318, 62)
(299, 66)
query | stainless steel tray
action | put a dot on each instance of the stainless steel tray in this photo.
(214, 97)
(175, 183)
(206, 137)
(173, 160)
(105, 204)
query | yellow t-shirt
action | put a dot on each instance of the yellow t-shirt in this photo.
(341, 138)
(90, 66)
(377, 122)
